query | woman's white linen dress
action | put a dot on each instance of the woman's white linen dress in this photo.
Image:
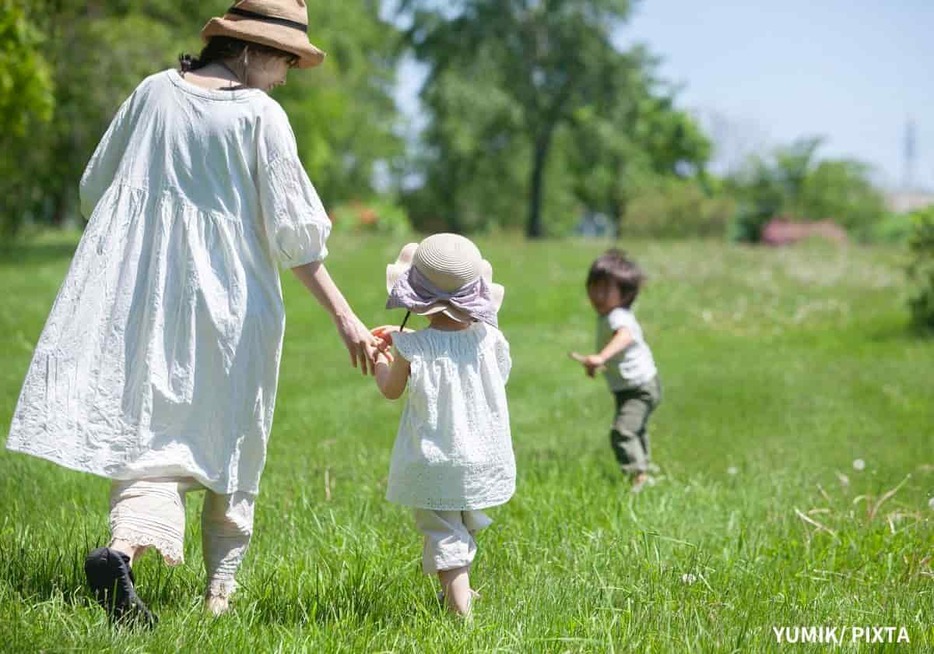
(160, 356)
(453, 451)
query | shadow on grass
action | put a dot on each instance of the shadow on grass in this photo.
(901, 332)
(43, 573)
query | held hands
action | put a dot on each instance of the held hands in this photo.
(384, 336)
(385, 332)
(364, 348)
(592, 363)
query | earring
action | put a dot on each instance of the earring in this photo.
(245, 67)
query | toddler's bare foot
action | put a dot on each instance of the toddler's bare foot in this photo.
(216, 605)
(457, 593)
(638, 481)
(217, 598)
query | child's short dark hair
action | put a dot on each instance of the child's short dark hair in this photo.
(613, 266)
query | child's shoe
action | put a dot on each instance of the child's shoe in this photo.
(111, 580)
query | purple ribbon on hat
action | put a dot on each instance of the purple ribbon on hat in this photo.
(415, 292)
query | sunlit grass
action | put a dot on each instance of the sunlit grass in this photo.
(779, 370)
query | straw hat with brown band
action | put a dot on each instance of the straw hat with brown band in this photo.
(280, 24)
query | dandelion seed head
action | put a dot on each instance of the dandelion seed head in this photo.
(931, 503)
(859, 464)
(688, 578)
(732, 470)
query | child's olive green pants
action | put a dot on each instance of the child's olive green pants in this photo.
(629, 436)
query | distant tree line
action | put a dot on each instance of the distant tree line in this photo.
(534, 117)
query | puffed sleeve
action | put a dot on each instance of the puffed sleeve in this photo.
(503, 358)
(405, 344)
(101, 169)
(296, 224)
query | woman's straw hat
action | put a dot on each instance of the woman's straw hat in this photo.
(450, 262)
(281, 24)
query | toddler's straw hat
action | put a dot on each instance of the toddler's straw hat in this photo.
(444, 273)
(281, 24)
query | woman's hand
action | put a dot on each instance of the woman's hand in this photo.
(363, 346)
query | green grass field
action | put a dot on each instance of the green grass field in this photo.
(780, 369)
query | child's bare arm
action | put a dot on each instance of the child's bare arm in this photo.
(620, 341)
(392, 374)
(594, 362)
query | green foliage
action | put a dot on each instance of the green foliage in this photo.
(921, 269)
(379, 216)
(26, 106)
(893, 228)
(841, 191)
(94, 54)
(793, 183)
(26, 99)
(631, 137)
(517, 90)
(475, 160)
(342, 112)
(667, 207)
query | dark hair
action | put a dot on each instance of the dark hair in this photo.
(219, 48)
(612, 266)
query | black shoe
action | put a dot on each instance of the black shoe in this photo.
(111, 579)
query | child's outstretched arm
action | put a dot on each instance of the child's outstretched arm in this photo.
(594, 362)
(392, 374)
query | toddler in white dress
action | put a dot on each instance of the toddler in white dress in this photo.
(453, 452)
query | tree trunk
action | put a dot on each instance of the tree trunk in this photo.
(537, 186)
(617, 209)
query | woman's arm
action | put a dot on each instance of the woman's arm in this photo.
(361, 344)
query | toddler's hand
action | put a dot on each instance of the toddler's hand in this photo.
(384, 333)
(592, 363)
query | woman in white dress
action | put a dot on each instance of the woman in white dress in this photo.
(158, 365)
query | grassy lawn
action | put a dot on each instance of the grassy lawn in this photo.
(781, 369)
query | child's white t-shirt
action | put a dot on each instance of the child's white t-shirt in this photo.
(635, 365)
(453, 451)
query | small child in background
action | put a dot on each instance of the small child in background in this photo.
(625, 359)
(453, 453)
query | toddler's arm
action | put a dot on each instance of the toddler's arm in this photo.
(392, 374)
(594, 362)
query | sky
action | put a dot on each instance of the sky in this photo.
(763, 73)
(760, 73)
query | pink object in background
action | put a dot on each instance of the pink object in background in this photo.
(782, 231)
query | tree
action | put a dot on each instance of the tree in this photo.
(546, 56)
(85, 58)
(342, 112)
(26, 105)
(630, 133)
(794, 182)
